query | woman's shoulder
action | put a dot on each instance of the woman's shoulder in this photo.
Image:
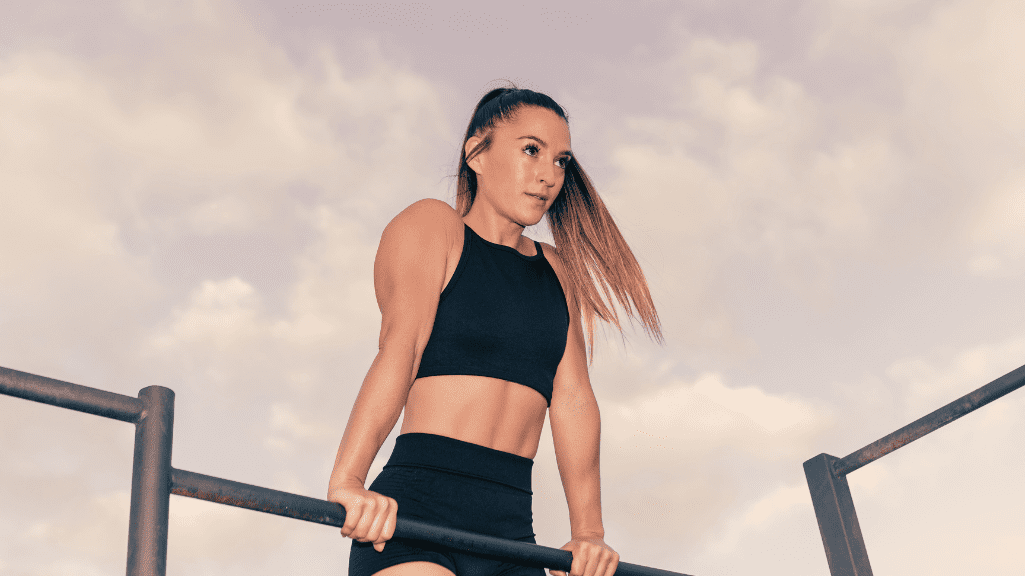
(431, 210)
(428, 216)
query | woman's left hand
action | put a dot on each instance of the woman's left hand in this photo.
(591, 557)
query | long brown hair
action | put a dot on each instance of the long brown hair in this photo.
(591, 246)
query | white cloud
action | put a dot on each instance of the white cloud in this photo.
(959, 121)
(700, 417)
(670, 456)
(760, 516)
(998, 232)
(122, 174)
(334, 302)
(932, 383)
(289, 428)
(118, 161)
(219, 314)
(206, 532)
(86, 536)
(871, 479)
(946, 491)
(744, 166)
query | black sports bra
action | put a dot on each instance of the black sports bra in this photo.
(502, 315)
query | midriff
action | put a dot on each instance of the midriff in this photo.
(490, 412)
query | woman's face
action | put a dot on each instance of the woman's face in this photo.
(522, 171)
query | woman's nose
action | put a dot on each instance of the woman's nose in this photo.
(547, 176)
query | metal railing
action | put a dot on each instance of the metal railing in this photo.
(831, 495)
(154, 480)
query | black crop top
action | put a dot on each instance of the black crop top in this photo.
(502, 315)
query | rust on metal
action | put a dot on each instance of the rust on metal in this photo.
(240, 495)
(934, 420)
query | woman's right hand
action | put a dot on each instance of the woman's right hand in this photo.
(369, 516)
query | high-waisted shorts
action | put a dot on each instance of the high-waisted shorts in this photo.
(457, 484)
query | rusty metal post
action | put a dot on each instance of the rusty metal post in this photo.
(151, 484)
(838, 522)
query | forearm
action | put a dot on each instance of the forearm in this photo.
(374, 414)
(576, 430)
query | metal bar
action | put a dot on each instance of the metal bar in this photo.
(972, 401)
(70, 396)
(210, 488)
(151, 484)
(838, 521)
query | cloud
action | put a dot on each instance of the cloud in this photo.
(996, 233)
(197, 203)
(670, 456)
(955, 115)
(695, 419)
(208, 533)
(90, 534)
(896, 139)
(761, 515)
(219, 313)
(196, 213)
(931, 382)
(744, 165)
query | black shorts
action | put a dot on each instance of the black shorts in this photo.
(457, 484)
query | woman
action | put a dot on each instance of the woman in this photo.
(481, 335)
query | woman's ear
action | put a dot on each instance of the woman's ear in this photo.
(475, 163)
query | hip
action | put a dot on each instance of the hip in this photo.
(460, 485)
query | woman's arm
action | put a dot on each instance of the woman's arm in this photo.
(409, 272)
(576, 432)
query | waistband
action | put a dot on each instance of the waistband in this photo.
(451, 455)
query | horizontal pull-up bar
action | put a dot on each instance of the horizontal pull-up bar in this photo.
(203, 487)
(936, 419)
(70, 396)
(153, 480)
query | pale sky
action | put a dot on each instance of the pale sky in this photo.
(827, 198)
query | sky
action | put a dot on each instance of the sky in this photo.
(827, 199)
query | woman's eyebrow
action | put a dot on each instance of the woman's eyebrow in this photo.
(542, 143)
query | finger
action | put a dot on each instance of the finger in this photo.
(366, 520)
(599, 562)
(610, 570)
(379, 546)
(352, 516)
(590, 561)
(389, 524)
(380, 520)
(576, 569)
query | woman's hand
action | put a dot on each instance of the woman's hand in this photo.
(591, 557)
(369, 516)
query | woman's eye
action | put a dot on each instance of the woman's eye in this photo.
(562, 162)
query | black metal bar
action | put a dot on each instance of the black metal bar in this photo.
(210, 488)
(938, 418)
(151, 484)
(70, 396)
(153, 480)
(838, 521)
